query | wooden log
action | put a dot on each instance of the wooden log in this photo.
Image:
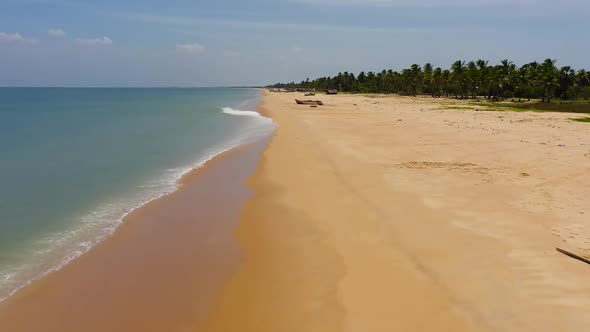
(574, 256)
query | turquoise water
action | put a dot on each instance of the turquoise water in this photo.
(74, 162)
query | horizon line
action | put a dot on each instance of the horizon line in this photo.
(133, 87)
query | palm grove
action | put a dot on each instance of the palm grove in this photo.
(544, 81)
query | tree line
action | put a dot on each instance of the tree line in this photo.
(471, 79)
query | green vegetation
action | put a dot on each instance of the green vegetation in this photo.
(582, 120)
(463, 80)
(574, 106)
(456, 107)
(556, 106)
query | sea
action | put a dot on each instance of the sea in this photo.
(75, 161)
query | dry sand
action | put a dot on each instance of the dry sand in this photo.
(378, 213)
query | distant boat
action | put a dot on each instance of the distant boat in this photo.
(310, 94)
(331, 92)
(309, 102)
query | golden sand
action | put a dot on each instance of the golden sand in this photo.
(377, 213)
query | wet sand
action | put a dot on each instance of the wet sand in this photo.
(385, 213)
(161, 271)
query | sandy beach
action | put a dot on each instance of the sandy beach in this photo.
(376, 213)
(370, 213)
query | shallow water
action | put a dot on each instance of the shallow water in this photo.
(74, 162)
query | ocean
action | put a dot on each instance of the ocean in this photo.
(74, 162)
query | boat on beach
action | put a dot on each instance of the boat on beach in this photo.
(309, 102)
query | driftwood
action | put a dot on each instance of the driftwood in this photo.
(574, 256)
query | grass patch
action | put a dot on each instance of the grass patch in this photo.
(578, 106)
(504, 107)
(581, 120)
(571, 106)
(454, 107)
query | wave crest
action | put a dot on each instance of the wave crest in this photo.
(231, 111)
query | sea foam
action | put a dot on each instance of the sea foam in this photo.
(231, 111)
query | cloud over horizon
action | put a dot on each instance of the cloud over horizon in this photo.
(56, 32)
(192, 49)
(15, 37)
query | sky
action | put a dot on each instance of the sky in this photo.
(149, 43)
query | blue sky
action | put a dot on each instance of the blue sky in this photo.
(230, 42)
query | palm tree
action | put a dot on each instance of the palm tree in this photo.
(446, 82)
(524, 82)
(472, 78)
(533, 77)
(567, 77)
(482, 67)
(408, 82)
(505, 78)
(548, 77)
(494, 82)
(436, 84)
(427, 79)
(417, 76)
(458, 77)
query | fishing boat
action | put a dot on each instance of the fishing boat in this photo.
(309, 102)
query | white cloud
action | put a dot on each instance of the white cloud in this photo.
(95, 41)
(192, 49)
(56, 32)
(11, 37)
(15, 38)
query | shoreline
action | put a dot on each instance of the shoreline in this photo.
(181, 180)
(209, 257)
